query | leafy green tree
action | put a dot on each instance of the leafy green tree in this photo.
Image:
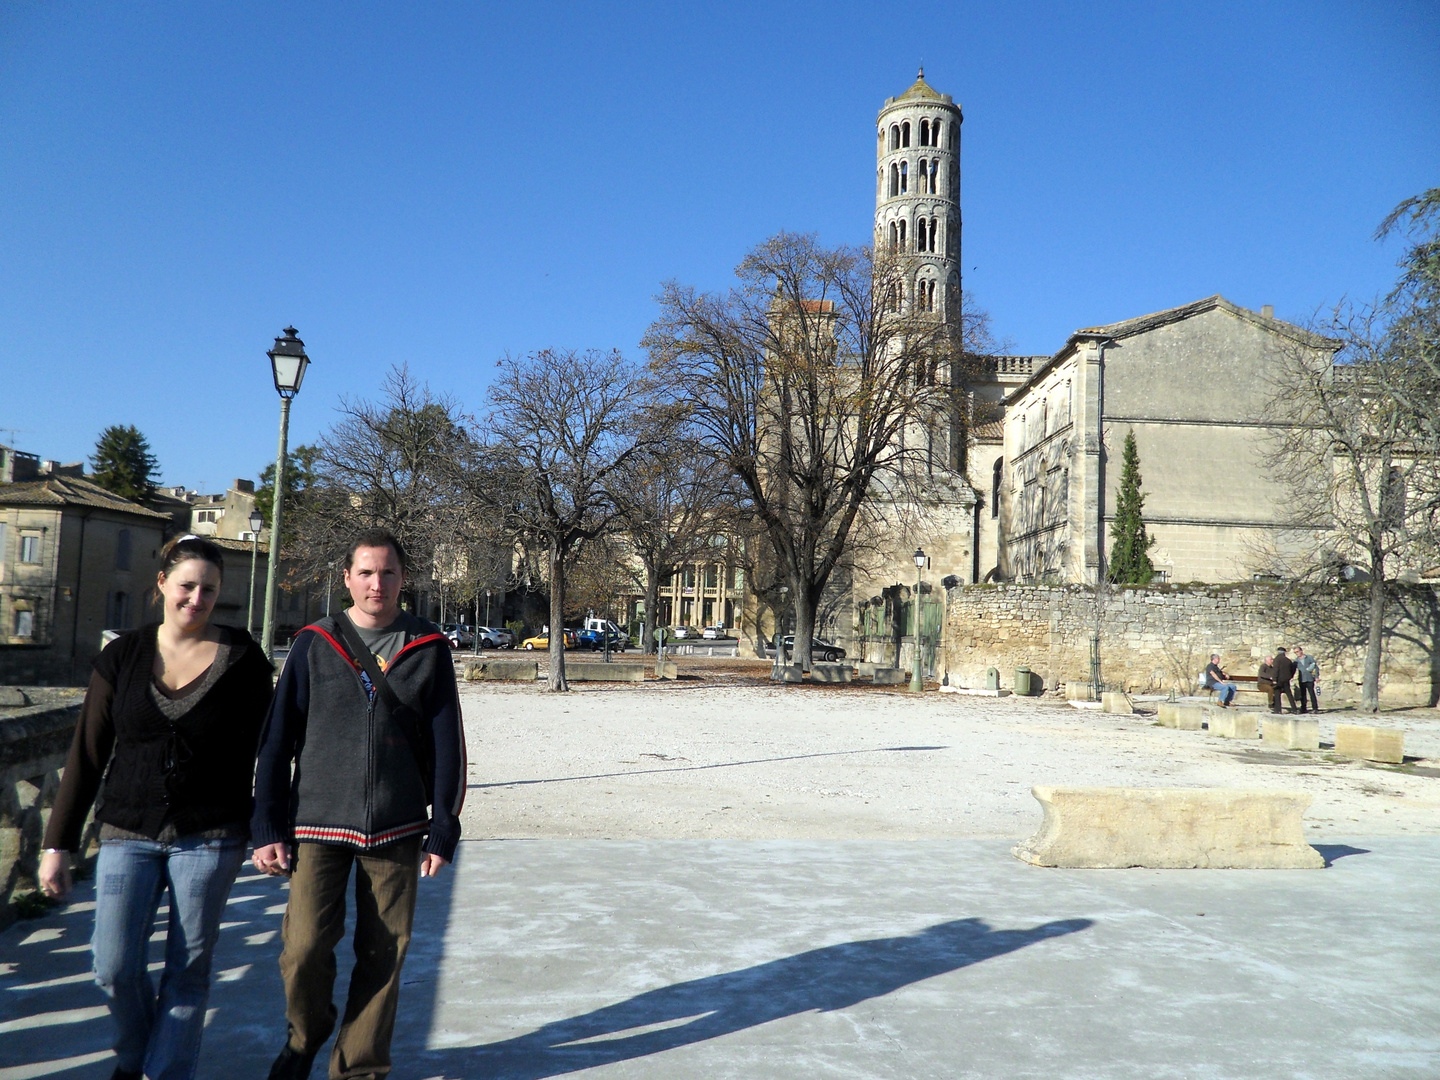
(1129, 543)
(299, 476)
(123, 463)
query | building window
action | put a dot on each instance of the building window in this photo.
(995, 476)
(30, 548)
(712, 577)
(905, 133)
(922, 174)
(689, 577)
(954, 136)
(117, 611)
(24, 624)
(894, 179)
(924, 132)
(1069, 402)
(122, 550)
(904, 177)
(894, 136)
(934, 177)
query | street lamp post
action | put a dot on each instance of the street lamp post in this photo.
(916, 683)
(257, 522)
(287, 363)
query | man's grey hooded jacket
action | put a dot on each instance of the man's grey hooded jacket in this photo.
(358, 772)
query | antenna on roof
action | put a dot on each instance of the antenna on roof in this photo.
(921, 76)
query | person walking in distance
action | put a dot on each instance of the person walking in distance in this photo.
(362, 769)
(1284, 672)
(166, 739)
(1307, 674)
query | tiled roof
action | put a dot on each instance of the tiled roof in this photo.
(72, 491)
(992, 431)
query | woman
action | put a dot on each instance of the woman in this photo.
(167, 738)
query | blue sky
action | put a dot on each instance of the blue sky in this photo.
(439, 184)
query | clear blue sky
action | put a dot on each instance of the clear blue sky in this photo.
(443, 183)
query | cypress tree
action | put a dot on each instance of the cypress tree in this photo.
(1129, 544)
(123, 463)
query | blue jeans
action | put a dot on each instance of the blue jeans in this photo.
(1225, 691)
(160, 1034)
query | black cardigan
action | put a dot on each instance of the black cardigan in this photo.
(196, 773)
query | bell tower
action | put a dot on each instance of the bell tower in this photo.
(917, 193)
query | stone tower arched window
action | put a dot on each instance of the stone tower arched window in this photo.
(894, 136)
(904, 176)
(905, 133)
(894, 179)
(924, 132)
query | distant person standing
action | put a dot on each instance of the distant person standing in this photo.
(368, 715)
(1284, 672)
(1307, 674)
(166, 740)
(1219, 681)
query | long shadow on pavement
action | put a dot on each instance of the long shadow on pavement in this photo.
(833, 977)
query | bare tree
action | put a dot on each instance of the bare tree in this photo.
(397, 463)
(672, 500)
(1347, 450)
(822, 379)
(563, 425)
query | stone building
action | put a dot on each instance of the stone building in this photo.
(1190, 383)
(75, 560)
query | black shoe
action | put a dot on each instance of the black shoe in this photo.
(126, 1074)
(291, 1065)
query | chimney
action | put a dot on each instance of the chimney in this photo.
(1268, 310)
(247, 486)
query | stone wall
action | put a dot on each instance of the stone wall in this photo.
(34, 740)
(1159, 638)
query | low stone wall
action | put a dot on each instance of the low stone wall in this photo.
(1157, 639)
(33, 743)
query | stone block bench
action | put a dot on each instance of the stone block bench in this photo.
(830, 673)
(1114, 701)
(667, 669)
(599, 671)
(1291, 732)
(502, 670)
(1170, 828)
(1370, 743)
(890, 676)
(1233, 724)
(1177, 714)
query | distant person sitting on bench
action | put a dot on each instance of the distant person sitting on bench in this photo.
(1217, 680)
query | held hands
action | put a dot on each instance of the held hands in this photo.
(430, 865)
(55, 873)
(272, 859)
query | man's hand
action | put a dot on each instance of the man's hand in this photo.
(430, 865)
(55, 873)
(273, 859)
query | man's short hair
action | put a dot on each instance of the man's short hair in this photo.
(1214, 656)
(375, 538)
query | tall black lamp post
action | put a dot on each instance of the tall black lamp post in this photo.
(916, 682)
(288, 363)
(257, 522)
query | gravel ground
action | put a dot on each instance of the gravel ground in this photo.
(726, 755)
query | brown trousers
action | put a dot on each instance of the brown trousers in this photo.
(386, 884)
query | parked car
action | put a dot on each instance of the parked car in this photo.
(594, 639)
(714, 633)
(542, 640)
(824, 651)
(459, 635)
(495, 637)
(682, 632)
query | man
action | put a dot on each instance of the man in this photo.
(1307, 673)
(1284, 672)
(1219, 681)
(367, 711)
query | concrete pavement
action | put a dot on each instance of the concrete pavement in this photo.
(802, 958)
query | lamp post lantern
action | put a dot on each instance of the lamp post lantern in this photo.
(916, 682)
(287, 363)
(257, 522)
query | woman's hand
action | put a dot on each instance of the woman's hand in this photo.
(273, 859)
(55, 874)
